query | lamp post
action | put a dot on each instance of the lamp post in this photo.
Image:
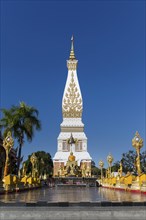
(101, 164)
(110, 160)
(137, 143)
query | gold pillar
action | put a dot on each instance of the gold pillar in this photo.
(137, 143)
(110, 160)
(101, 164)
(8, 143)
(34, 161)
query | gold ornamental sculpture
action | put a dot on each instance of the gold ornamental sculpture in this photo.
(8, 143)
(126, 181)
(34, 162)
(71, 166)
(137, 143)
(72, 103)
(120, 170)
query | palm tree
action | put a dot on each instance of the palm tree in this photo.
(21, 120)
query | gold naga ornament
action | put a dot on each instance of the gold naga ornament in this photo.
(72, 103)
(8, 143)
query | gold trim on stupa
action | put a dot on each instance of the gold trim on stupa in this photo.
(72, 103)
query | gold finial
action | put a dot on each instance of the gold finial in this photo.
(72, 55)
(137, 141)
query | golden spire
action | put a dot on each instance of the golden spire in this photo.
(72, 55)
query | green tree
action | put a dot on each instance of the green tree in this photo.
(115, 166)
(143, 161)
(128, 162)
(95, 171)
(45, 163)
(21, 120)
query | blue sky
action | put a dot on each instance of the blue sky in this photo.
(110, 46)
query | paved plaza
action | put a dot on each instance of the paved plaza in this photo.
(64, 213)
(72, 194)
(59, 203)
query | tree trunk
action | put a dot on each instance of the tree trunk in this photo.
(19, 152)
(19, 158)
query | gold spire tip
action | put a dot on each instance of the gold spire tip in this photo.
(72, 55)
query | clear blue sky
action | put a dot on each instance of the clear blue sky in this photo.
(110, 47)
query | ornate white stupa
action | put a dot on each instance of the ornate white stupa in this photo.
(72, 137)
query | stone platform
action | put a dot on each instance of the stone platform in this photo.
(75, 181)
(72, 185)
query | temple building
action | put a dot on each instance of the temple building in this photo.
(72, 138)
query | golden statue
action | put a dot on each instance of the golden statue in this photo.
(71, 157)
(71, 168)
(8, 143)
(61, 171)
(83, 169)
